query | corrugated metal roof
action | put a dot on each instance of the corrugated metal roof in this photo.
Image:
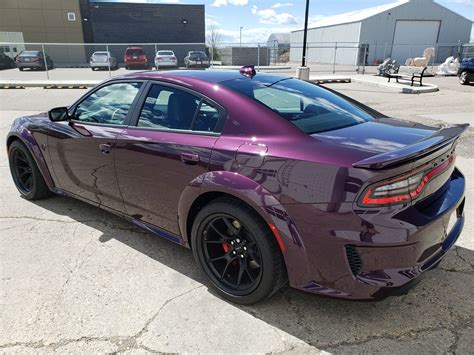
(355, 16)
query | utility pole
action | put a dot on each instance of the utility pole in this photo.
(241, 36)
(303, 71)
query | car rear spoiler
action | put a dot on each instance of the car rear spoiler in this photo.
(439, 139)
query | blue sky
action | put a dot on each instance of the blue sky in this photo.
(260, 18)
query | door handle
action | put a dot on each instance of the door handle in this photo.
(188, 158)
(105, 148)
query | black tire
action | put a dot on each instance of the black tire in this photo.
(22, 164)
(260, 264)
(464, 78)
(20, 69)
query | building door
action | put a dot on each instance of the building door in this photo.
(411, 38)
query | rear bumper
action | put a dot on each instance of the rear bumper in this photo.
(29, 64)
(166, 64)
(132, 63)
(102, 65)
(353, 258)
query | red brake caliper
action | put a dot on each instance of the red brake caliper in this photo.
(226, 247)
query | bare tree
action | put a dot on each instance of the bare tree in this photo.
(213, 41)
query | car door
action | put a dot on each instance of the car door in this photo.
(82, 149)
(167, 147)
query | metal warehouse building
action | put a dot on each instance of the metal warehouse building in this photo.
(399, 30)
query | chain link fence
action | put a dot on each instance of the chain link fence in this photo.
(328, 58)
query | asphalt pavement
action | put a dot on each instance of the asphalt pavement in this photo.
(77, 279)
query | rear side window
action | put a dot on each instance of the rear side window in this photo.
(307, 106)
(170, 108)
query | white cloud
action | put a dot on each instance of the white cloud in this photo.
(282, 4)
(271, 17)
(252, 36)
(463, 2)
(219, 3)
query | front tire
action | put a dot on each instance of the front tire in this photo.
(464, 78)
(237, 251)
(25, 173)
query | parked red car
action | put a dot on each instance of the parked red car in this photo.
(135, 57)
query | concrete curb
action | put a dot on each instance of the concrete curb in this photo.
(405, 89)
(49, 84)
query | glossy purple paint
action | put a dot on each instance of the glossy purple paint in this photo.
(306, 185)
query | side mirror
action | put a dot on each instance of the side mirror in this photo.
(58, 114)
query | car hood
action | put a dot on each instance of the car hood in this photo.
(376, 137)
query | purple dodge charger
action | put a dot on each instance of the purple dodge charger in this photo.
(269, 180)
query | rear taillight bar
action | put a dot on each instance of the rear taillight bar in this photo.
(404, 188)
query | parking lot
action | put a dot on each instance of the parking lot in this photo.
(75, 278)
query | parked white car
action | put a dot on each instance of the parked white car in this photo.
(165, 59)
(103, 60)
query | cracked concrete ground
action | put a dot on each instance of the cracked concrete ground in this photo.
(76, 279)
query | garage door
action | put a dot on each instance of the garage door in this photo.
(412, 37)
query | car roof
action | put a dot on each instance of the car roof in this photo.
(211, 75)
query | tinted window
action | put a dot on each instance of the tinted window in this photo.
(170, 108)
(135, 51)
(165, 53)
(108, 105)
(30, 53)
(307, 106)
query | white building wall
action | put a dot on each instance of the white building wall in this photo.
(321, 43)
(380, 30)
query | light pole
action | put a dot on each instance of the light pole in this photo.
(305, 34)
(241, 36)
(303, 71)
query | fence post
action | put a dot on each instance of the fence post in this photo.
(365, 54)
(334, 59)
(258, 57)
(108, 59)
(154, 55)
(211, 48)
(45, 61)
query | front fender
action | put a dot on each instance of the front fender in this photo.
(261, 200)
(22, 133)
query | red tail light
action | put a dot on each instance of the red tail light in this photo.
(35, 59)
(173, 58)
(404, 188)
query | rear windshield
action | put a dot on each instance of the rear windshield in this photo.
(309, 107)
(135, 51)
(165, 53)
(197, 54)
(29, 53)
(100, 54)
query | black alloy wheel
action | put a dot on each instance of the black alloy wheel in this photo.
(232, 254)
(25, 173)
(237, 251)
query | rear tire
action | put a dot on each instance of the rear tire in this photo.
(20, 69)
(25, 173)
(237, 251)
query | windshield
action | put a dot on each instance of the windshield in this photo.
(100, 54)
(197, 54)
(165, 53)
(309, 107)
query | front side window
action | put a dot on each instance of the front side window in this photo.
(170, 108)
(307, 106)
(108, 105)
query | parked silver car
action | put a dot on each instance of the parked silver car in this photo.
(165, 59)
(102, 60)
(196, 59)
